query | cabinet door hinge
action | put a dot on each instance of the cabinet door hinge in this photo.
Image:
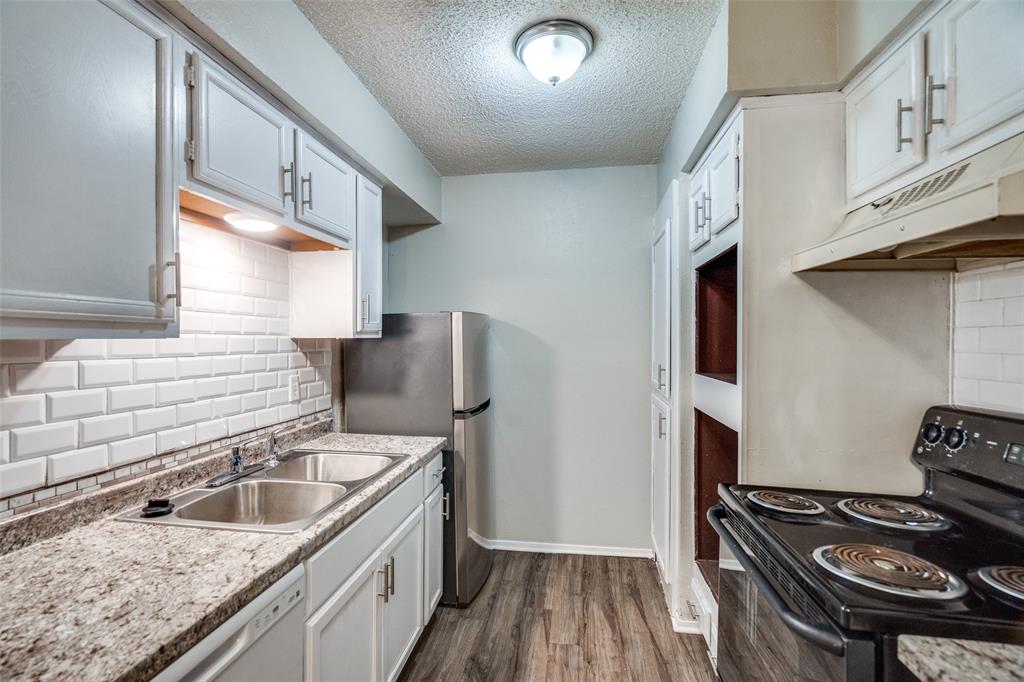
(191, 150)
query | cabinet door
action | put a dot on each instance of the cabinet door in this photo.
(240, 141)
(660, 479)
(342, 636)
(984, 69)
(433, 552)
(723, 183)
(697, 219)
(88, 208)
(661, 311)
(885, 120)
(326, 188)
(402, 613)
(369, 258)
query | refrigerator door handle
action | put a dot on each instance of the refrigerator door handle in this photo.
(466, 414)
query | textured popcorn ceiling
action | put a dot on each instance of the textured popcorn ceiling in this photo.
(446, 71)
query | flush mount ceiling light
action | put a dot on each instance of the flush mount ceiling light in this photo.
(552, 50)
(248, 223)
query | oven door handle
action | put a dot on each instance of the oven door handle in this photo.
(818, 635)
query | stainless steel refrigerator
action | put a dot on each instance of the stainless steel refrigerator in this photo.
(427, 376)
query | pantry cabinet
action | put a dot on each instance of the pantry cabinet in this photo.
(660, 482)
(88, 209)
(240, 144)
(661, 312)
(884, 120)
(369, 258)
(325, 190)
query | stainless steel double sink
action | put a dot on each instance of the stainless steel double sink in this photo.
(303, 487)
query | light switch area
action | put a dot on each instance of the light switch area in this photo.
(293, 388)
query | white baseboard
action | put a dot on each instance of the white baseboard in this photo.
(558, 548)
(684, 626)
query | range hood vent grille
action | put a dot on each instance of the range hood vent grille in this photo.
(922, 190)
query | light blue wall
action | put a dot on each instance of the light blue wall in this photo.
(560, 260)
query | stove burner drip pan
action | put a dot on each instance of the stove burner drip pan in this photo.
(888, 570)
(787, 503)
(1006, 580)
(892, 514)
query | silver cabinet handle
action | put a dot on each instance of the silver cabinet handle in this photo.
(444, 509)
(391, 579)
(307, 181)
(698, 208)
(288, 178)
(385, 592)
(661, 426)
(439, 473)
(176, 264)
(661, 373)
(366, 309)
(900, 110)
(929, 105)
(707, 209)
(693, 610)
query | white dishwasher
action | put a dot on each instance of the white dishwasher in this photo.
(261, 643)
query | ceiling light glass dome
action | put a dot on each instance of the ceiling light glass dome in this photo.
(552, 51)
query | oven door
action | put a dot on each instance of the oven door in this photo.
(765, 637)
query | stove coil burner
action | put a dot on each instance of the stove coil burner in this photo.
(785, 502)
(892, 514)
(889, 570)
(1007, 580)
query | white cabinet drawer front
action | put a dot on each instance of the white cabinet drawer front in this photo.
(325, 189)
(87, 216)
(875, 125)
(433, 474)
(333, 564)
(240, 140)
(984, 68)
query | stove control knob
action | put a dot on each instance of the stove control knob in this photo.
(955, 438)
(932, 433)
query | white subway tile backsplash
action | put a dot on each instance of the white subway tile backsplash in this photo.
(104, 373)
(980, 314)
(76, 349)
(135, 397)
(132, 449)
(132, 348)
(159, 369)
(51, 376)
(1001, 340)
(26, 410)
(34, 441)
(1001, 394)
(979, 365)
(147, 421)
(965, 339)
(76, 404)
(76, 410)
(1002, 284)
(17, 477)
(1013, 310)
(76, 463)
(104, 429)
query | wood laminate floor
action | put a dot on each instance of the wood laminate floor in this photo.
(561, 617)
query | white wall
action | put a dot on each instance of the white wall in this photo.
(560, 261)
(72, 410)
(988, 338)
(282, 50)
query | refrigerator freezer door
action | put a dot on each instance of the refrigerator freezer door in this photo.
(401, 383)
(472, 490)
(469, 360)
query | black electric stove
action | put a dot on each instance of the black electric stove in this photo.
(846, 573)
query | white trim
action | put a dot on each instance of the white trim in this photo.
(559, 548)
(685, 626)
(729, 565)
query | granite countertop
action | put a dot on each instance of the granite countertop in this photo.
(116, 601)
(936, 659)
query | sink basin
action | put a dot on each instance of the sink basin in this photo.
(262, 503)
(333, 467)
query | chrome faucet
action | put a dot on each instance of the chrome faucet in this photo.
(238, 468)
(272, 461)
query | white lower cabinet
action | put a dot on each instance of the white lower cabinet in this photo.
(433, 551)
(402, 606)
(370, 591)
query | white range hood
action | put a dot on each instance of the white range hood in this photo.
(971, 210)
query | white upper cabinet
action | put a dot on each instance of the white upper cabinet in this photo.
(661, 312)
(325, 190)
(885, 120)
(980, 82)
(88, 207)
(240, 143)
(402, 613)
(723, 166)
(369, 258)
(697, 219)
